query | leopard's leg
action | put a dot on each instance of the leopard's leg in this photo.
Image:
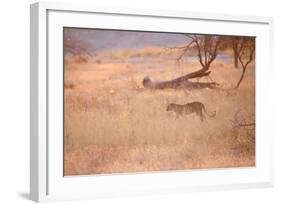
(177, 115)
(202, 116)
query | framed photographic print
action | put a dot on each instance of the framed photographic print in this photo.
(128, 102)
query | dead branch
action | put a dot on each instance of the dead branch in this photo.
(243, 120)
(247, 124)
(147, 83)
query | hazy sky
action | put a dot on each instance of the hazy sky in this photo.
(98, 40)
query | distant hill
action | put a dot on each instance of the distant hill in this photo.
(98, 40)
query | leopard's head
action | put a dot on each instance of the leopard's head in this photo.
(170, 107)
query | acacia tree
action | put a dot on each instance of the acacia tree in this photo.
(246, 52)
(207, 47)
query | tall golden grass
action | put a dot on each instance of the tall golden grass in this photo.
(113, 125)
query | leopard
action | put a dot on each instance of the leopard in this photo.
(189, 108)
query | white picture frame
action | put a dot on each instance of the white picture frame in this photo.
(46, 179)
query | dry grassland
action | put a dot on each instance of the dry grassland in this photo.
(113, 125)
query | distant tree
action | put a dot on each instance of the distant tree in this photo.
(245, 52)
(235, 47)
(231, 42)
(74, 45)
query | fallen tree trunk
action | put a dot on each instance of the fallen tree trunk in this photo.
(182, 82)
